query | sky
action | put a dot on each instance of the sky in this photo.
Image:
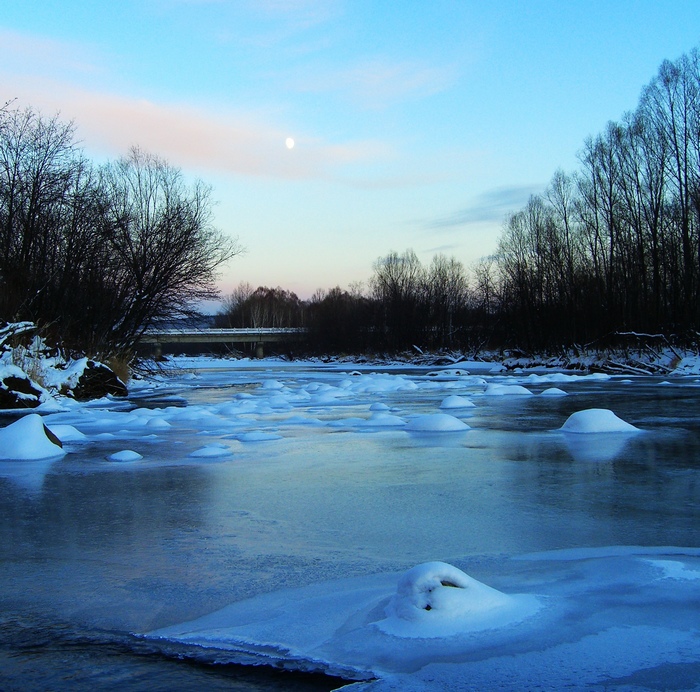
(414, 124)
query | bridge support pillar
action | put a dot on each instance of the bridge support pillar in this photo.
(259, 353)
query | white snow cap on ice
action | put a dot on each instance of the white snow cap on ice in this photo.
(26, 439)
(553, 391)
(596, 420)
(211, 451)
(436, 422)
(125, 455)
(505, 389)
(456, 401)
(436, 599)
(67, 433)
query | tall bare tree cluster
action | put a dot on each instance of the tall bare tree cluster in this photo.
(614, 246)
(407, 303)
(261, 307)
(96, 253)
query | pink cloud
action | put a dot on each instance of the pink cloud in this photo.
(230, 143)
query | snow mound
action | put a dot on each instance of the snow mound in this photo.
(553, 391)
(436, 422)
(211, 451)
(506, 390)
(158, 424)
(125, 455)
(596, 420)
(67, 433)
(272, 385)
(456, 401)
(28, 439)
(383, 420)
(436, 599)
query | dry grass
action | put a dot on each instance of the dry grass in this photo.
(121, 366)
(29, 360)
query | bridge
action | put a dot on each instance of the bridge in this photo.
(253, 335)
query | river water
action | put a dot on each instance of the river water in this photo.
(305, 491)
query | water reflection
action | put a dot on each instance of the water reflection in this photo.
(596, 447)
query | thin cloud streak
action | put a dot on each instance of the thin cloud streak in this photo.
(490, 206)
(378, 82)
(236, 144)
(25, 53)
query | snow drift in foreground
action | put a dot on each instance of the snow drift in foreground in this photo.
(602, 616)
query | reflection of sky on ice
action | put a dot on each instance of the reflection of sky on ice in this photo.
(294, 497)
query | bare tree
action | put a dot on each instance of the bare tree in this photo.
(164, 250)
(396, 286)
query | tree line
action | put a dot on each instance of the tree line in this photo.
(612, 247)
(95, 253)
(405, 304)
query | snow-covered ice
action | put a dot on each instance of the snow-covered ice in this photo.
(609, 617)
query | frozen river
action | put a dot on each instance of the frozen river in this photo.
(282, 483)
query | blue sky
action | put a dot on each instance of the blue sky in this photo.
(416, 124)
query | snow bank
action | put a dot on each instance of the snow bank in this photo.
(27, 439)
(596, 420)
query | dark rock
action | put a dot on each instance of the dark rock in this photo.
(52, 437)
(97, 381)
(19, 392)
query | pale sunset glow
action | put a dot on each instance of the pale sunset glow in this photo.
(424, 124)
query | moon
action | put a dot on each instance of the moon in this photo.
(289, 143)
